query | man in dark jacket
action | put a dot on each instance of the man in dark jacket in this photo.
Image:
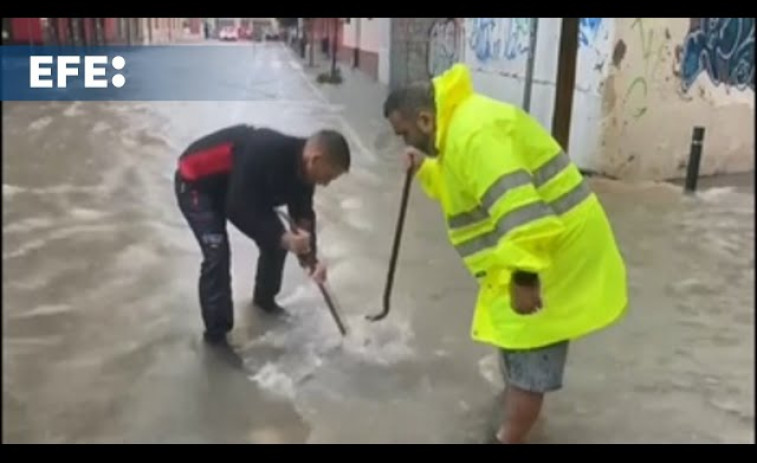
(242, 174)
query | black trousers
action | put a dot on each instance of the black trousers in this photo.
(205, 215)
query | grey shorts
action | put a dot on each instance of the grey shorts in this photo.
(535, 370)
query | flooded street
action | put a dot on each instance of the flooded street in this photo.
(102, 335)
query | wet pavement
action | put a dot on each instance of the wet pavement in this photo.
(102, 331)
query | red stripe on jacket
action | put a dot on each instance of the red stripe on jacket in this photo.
(207, 162)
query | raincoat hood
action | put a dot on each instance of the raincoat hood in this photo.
(451, 88)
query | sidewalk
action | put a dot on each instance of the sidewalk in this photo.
(367, 118)
(680, 367)
(361, 101)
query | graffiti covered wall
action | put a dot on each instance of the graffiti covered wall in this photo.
(445, 38)
(413, 49)
(642, 84)
(722, 48)
(497, 51)
(667, 76)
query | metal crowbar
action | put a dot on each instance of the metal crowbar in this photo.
(395, 249)
(310, 262)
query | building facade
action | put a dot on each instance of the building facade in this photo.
(366, 46)
(101, 31)
(641, 86)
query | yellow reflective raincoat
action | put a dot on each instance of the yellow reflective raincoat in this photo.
(513, 200)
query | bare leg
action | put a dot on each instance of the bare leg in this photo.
(522, 409)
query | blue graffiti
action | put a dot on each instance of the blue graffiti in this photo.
(480, 38)
(492, 39)
(588, 28)
(721, 47)
(441, 53)
(516, 42)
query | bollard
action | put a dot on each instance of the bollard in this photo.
(695, 157)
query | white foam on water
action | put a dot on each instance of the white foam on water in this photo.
(351, 204)
(365, 177)
(25, 248)
(311, 341)
(270, 435)
(31, 283)
(386, 342)
(43, 310)
(720, 194)
(10, 191)
(40, 123)
(488, 367)
(334, 251)
(359, 223)
(129, 141)
(86, 214)
(464, 405)
(75, 231)
(73, 110)
(27, 225)
(42, 341)
(137, 257)
(100, 127)
(693, 286)
(272, 379)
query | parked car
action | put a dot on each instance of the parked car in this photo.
(245, 33)
(228, 34)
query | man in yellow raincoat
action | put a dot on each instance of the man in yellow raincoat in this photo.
(526, 225)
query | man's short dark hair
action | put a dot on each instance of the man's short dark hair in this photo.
(410, 99)
(334, 146)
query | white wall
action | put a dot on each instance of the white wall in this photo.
(350, 31)
(373, 36)
(385, 42)
(496, 49)
(371, 31)
(642, 84)
(592, 68)
(673, 74)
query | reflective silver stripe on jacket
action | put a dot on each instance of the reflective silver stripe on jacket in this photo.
(506, 183)
(550, 169)
(507, 222)
(523, 215)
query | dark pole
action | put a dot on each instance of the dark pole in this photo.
(530, 64)
(695, 157)
(311, 40)
(334, 47)
(566, 81)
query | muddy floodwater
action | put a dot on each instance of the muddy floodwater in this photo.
(102, 329)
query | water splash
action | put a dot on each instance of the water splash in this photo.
(309, 344)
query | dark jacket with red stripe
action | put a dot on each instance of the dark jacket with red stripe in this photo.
(251, 171)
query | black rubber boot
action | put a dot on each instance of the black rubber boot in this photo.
(268, 305)
(215, 339)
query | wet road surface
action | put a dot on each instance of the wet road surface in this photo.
(102, 332)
